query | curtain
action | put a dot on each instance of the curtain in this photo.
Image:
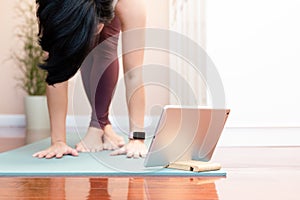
(187, 18)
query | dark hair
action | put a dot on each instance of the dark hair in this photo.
(66, 31)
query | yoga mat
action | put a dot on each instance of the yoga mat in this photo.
(19, 162)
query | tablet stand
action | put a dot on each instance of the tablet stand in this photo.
(194, 165)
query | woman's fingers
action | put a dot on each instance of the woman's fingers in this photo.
(120, 151)
(134, 149)
(50, 155)
(56, 151)
(73, 152)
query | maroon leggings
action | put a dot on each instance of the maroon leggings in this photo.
(99, 73)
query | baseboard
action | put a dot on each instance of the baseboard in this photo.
(260, 136)
(82, 121)
(19, 121)
(241, 135)
(79, 121)
(235, 124)
(12, 121)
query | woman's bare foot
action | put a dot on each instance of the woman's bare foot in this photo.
(111, 140)
(92, 141)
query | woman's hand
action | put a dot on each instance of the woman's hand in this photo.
(57, 150)
(134, 148)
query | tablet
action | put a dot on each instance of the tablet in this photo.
(185, 133)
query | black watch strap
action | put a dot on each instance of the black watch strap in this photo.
(137, 135)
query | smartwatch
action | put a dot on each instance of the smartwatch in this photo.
(137, 135)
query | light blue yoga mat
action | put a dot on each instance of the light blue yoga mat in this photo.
(19, 162)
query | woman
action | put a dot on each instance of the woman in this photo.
(69, 29)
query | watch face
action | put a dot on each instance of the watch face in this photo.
(139, 135)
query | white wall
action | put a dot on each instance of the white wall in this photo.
(11, 96)
(187, 19)
(256, 47)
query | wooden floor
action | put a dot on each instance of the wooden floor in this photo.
(253, 173)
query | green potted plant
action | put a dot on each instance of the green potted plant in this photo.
(32, 80)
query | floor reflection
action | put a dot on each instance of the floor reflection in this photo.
(42, 188)
(118, 188)
(181, 188)
(145, 188)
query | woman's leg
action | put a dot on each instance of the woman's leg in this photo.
(100, 74)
